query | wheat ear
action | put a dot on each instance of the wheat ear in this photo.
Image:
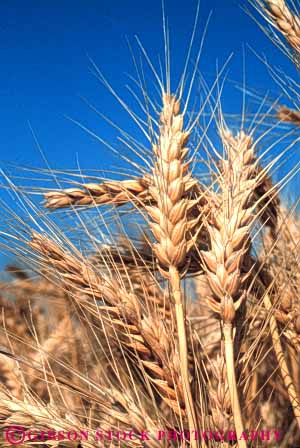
(230, 240)
(109, 192)
(170, 225)
(121, 310)
(283, 19)
(134, 191)
(287, 22)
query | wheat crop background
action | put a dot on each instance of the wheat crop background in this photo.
(186, 315)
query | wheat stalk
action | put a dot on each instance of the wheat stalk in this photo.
(133, 351)
(230, 240)
(171, 227)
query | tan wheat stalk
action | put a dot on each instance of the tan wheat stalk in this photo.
(122, 311)
(230, 240)
(170, 225)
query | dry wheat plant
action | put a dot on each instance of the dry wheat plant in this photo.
(187, 333)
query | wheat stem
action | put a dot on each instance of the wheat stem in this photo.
(228, 333)
(183, 350)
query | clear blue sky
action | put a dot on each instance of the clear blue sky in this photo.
(45, 69)
(44, 47)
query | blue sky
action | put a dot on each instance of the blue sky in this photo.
(45, 48)
(45, 69)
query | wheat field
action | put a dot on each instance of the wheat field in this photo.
(186, 331)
